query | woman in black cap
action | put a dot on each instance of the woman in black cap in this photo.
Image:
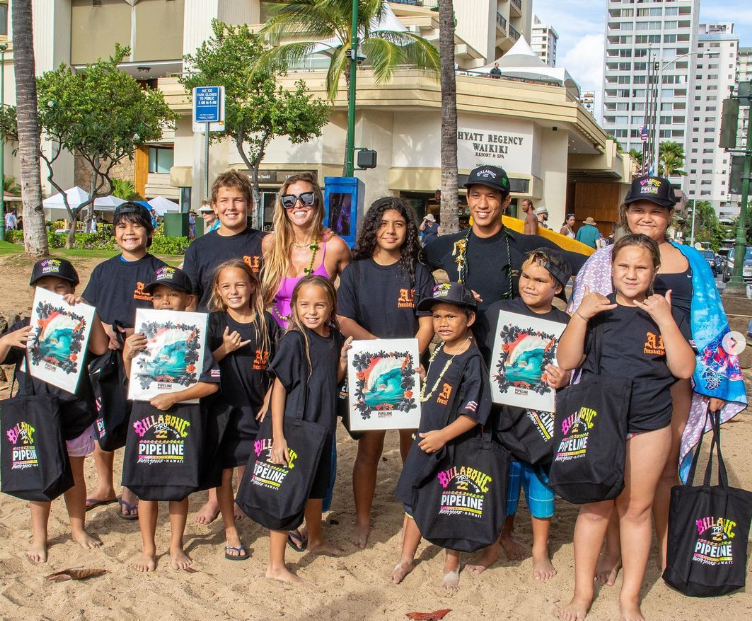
(717, 383)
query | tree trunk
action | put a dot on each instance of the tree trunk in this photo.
(449, 215)
(35, 232)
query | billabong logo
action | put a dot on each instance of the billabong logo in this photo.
(166, 273)
(265, 473)
(50, 266)
(485, 172)
(441, 291)
(23, 451)
(465, 491)
(714, 545)
(167, 441)
(576, 429)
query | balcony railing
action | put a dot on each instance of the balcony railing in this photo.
(501, 22)
(513, 33)
(518, 4)
(410, 2)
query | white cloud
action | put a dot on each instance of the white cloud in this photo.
(585, 63)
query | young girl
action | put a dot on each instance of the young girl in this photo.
(377, 298)
(455, 399)
(310, 361)
(242, 338)
(643, 339)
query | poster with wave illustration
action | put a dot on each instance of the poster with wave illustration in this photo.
(58, 341)
(385, 387)
(523, 347)
(174, 353)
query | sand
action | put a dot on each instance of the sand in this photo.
(354, 587)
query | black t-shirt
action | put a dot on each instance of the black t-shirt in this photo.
(315, 394)
(116, 288)
(207, 252)
(245, 372)
(78, 411)
(488, 266)
(633, 348)
(519, 307)
(382, 299)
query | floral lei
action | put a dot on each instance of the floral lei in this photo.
(460, 252)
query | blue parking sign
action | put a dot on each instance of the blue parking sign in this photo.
(207, 104)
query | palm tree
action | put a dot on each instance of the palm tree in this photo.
(449, 216)
(326, 26)
(671, 159)
(35, 233)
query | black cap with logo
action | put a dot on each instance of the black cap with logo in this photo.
(490, 176)
(135, 208)
(449, 293)
(170, 277)
(59, 268)
(657, 190)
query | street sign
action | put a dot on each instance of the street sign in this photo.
(209, 107)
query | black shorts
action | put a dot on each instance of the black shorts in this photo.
(640, 422)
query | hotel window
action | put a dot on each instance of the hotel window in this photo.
(160, 160)
(4, 19)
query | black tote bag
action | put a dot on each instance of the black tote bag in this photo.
(526, 434)
(708, 530)
(35, 464)
(109, 385)
(461, 505)
(163, 457)
(275, 495)
(590, 436)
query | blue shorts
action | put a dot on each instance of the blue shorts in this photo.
(539, 496)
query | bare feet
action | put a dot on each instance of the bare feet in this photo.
(543, 570)
(482, 562)
(451, 580)
(576, 610)
(179, 559)
(208, 513)
(37, 553)
(324, 549)
(85, 540)
(607, 569)
(283, 575)
(360, 538)
(147, 562)
(514, 550)
(401, 570)
(629, 610)
(237, 512)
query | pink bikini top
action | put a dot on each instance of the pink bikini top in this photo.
(281, 307)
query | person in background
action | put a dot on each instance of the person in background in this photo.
(588, 233)
(192, 225)
(542, 214)
(211, 222)
(429, 228)
(154, 219)
(568, 227)
(531, 220)
(10, 220)
(495, 73)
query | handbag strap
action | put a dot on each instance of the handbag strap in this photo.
(714, 418)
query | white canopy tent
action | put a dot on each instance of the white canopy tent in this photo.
(162, 205)
(54, 206)
(107, 203)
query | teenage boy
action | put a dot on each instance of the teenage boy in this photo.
(116, 288)
(234, 239)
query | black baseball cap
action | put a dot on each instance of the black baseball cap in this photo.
(657, 190)
(59, 268)
(449, 293)
(490, 176)
(170, 277)
(135, 208)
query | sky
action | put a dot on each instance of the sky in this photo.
(581, 25)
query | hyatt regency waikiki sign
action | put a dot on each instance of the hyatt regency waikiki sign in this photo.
(488, 145)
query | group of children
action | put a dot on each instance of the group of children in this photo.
(386, 292)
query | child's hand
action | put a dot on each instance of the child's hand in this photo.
(432, 441)
(73, 299)
(346, 346)
(658, 307)
(111, 332)
(232, 342)
(164, 401)
(556, 377)
(261, 414)
(133, 345)
(280, 454)
(421, 374)
(17, 338)
(592, 304)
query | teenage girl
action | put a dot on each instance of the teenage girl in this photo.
(643, 339)
(311, 360)
(377, 298)
(242, 338)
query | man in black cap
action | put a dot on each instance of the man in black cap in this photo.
(488, 257)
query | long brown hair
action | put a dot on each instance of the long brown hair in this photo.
(256, 303)
(297, 325)
(277, 260)
(640, 240)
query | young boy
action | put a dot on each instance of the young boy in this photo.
(234, 239)
(456, 368)
(544, 275)
(116, 288)
(78, 410)
(170, 289)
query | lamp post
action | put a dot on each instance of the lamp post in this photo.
(350, 154)
(3, 48)
(692, 235)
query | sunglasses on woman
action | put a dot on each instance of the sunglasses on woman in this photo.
(307, 199)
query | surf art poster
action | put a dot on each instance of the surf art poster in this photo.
(523, 347)
(384, 384)
(174, 354)
(58, 340)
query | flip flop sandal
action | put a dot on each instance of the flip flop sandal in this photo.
(130, 516)
(93, 503)
(296, 541)
(236, 557)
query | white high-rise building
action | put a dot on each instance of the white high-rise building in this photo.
(662, 31)
(543, 41)
(707, 165)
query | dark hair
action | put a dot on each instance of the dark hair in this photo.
(624, 208)
(553, 261)
(411, 251)
(295, 324)
(134, 218)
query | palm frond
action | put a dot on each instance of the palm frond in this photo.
(337, 67)
(278, 59)
(384, 57)
(305, 18)
(417, 50)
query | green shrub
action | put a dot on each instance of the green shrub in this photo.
(14, 237)
(169, 245)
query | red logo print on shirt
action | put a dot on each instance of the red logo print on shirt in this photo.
(446, 391)
(261, 360)
(253, 262)
(140, 294)
(654, 345)
(406, 298)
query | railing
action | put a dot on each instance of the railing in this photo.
(501, 22)
(518, 4)
(513, 33)
(410, 2)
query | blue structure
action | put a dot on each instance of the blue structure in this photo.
(343, 199)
